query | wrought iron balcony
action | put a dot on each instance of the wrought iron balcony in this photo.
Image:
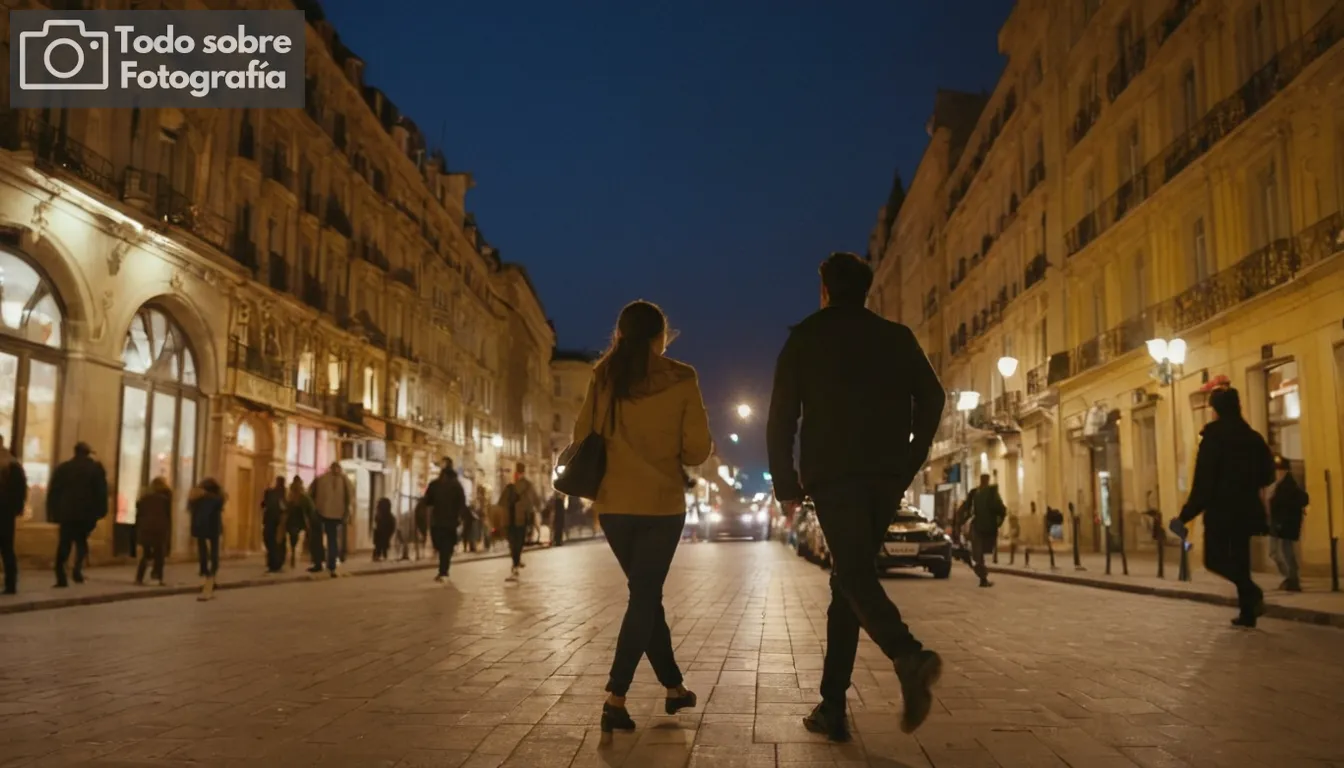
(251, 359)
(55, 152)
(1035, 176)
(1084, 119)
(1037, 379)
(371, 253)
(1035, 271)
(1128, 66)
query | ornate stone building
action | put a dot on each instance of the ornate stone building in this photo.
(571, 374)
(255, 293)
(1143, 170)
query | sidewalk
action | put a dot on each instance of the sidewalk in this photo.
(1316, 604)
(115, 583)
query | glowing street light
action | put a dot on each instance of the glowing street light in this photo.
(1007, 366)
(497, 441)
(968, 401)
(734, 437)
(744, 411)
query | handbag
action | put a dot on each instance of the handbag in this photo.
(582, 465)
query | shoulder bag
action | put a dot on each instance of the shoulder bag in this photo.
(582, 465)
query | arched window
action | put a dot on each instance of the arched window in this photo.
(31, 360)
(159, 414)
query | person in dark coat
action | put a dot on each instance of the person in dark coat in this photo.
(76, 501)
(1232, 466)
(987, 515)
(1287, 507)
(558, 519)
(272, 515)
(447, 504)
(206, 505)
(384, 525)
(153, 525)
(13, 498)
(299, 515)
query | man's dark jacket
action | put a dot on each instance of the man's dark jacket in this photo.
(862, 386)
(78, 492)
(1286, 508)
(447, 501)
(1232, 465)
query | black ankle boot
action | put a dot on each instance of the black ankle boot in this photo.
(674, 704)
(616, 719)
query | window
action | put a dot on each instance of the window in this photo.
(305, 451)
(1089, 191)
(1099, 306)
(1132, 153)
(1189, 99)
(1140, 289)
(158, 417)
(1271, 218)
(1199, 254)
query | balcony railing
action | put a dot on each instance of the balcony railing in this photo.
(996, 126)
(309, 399)
(1263, 270)
(1216, 125)
(276, 168)
(1035, 271)
(374, 255)
(1084, 119)
(278, 269)
(1037, 381)
(55, 152)
(372, 332)
(404, 276)
(245, 358)
(338, 219)
(1035, 176)
(314, 295)
(1130, 63)
(154, 193)
(1172, 19)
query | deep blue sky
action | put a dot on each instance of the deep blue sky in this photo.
(702, 155)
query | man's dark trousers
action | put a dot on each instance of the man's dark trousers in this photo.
(275, 548)
(445, 541)
(1228, 554)
(7, 526)
(854, 516)
(74, 533)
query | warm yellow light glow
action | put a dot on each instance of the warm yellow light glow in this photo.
(1007, 366)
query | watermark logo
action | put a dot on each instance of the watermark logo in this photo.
(184, 59)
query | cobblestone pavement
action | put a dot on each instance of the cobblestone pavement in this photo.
(398, 671)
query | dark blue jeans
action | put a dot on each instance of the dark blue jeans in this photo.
(332, 531)
(644, 546)
(854, 516)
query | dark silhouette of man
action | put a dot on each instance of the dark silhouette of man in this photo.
(870, 404)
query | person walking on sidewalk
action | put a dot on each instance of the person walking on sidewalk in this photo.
(858, 382)
(987, 516)
(153, 526)
(206, 505)
(384, 527)
(76, 501)
(298, 518)
(334, 499)
(272, 515)
(13, 498)
(1232, 466)
(1287, 507)
(520, 503)
(447, 509)
(558, 519)
(652, 414)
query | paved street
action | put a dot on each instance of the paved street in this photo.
(397, 671)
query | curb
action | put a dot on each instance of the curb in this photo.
(1272, 610)
(145, 593)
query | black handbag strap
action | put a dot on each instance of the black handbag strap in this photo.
(611, 412)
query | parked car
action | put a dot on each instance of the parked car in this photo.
(915, 542)
(811, 540)
(739, 522)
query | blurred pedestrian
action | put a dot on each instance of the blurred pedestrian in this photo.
(153, 526)
(76, 501)
(334, 499)
(447, 503)
(384, 526)
(987, 515)
(299, 515)
(272, 515)
(1232, 466)
(13, 498)
(558, 519)
(405, 533)
(520, 503)
(870, 404)
(1287, 506)
(206, 505)
(654, 404)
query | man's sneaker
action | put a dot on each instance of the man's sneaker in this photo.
(827, 722)
(986, 583)
(315, 569)
(440, 579)
(918, 672)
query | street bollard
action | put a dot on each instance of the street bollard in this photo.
(1012, 551)
(1107, 532)
(1161, 558)
(1124, 557)
(1026, 557)
(1184, 573)
(1334, 540)
(1077, 557)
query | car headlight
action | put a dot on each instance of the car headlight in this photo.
(715, 517)
(762, 516)
(746, 517)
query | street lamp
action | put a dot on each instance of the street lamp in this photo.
(1169, 362)
(744, 411)
(734, 437)
(967, 401)
(1007, 366)
(497, 441)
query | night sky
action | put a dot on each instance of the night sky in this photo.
(703, 155)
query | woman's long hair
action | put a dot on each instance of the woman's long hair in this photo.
(626, 364)
(296, 491)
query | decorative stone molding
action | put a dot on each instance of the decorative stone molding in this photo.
(39, 222)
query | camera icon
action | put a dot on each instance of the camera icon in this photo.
(64, 56)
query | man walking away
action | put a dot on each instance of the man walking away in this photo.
(558, 519)
(447, 508)
(334, 499)
(76, 501)
(206, 505)
(1287, 507)
(520, 503)
(13, 497)
(272, 514)
(987, 514)
(1232, 466)
(384, 527)
(870, 404)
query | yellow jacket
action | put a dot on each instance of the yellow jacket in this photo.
(660, 430)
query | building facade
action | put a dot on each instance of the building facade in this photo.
(571, 375)
(1143, 170)
(248, 294)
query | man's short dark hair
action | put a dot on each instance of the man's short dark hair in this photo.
(1226, 402)
(448, 462)
(847, 278)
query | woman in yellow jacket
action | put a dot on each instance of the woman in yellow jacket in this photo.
(651, 412)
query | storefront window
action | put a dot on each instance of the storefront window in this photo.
(159, 396)
(31, 325)
(1285, 411)
(304, 456)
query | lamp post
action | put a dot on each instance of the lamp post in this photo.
(967, 401)
(1169, 362)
